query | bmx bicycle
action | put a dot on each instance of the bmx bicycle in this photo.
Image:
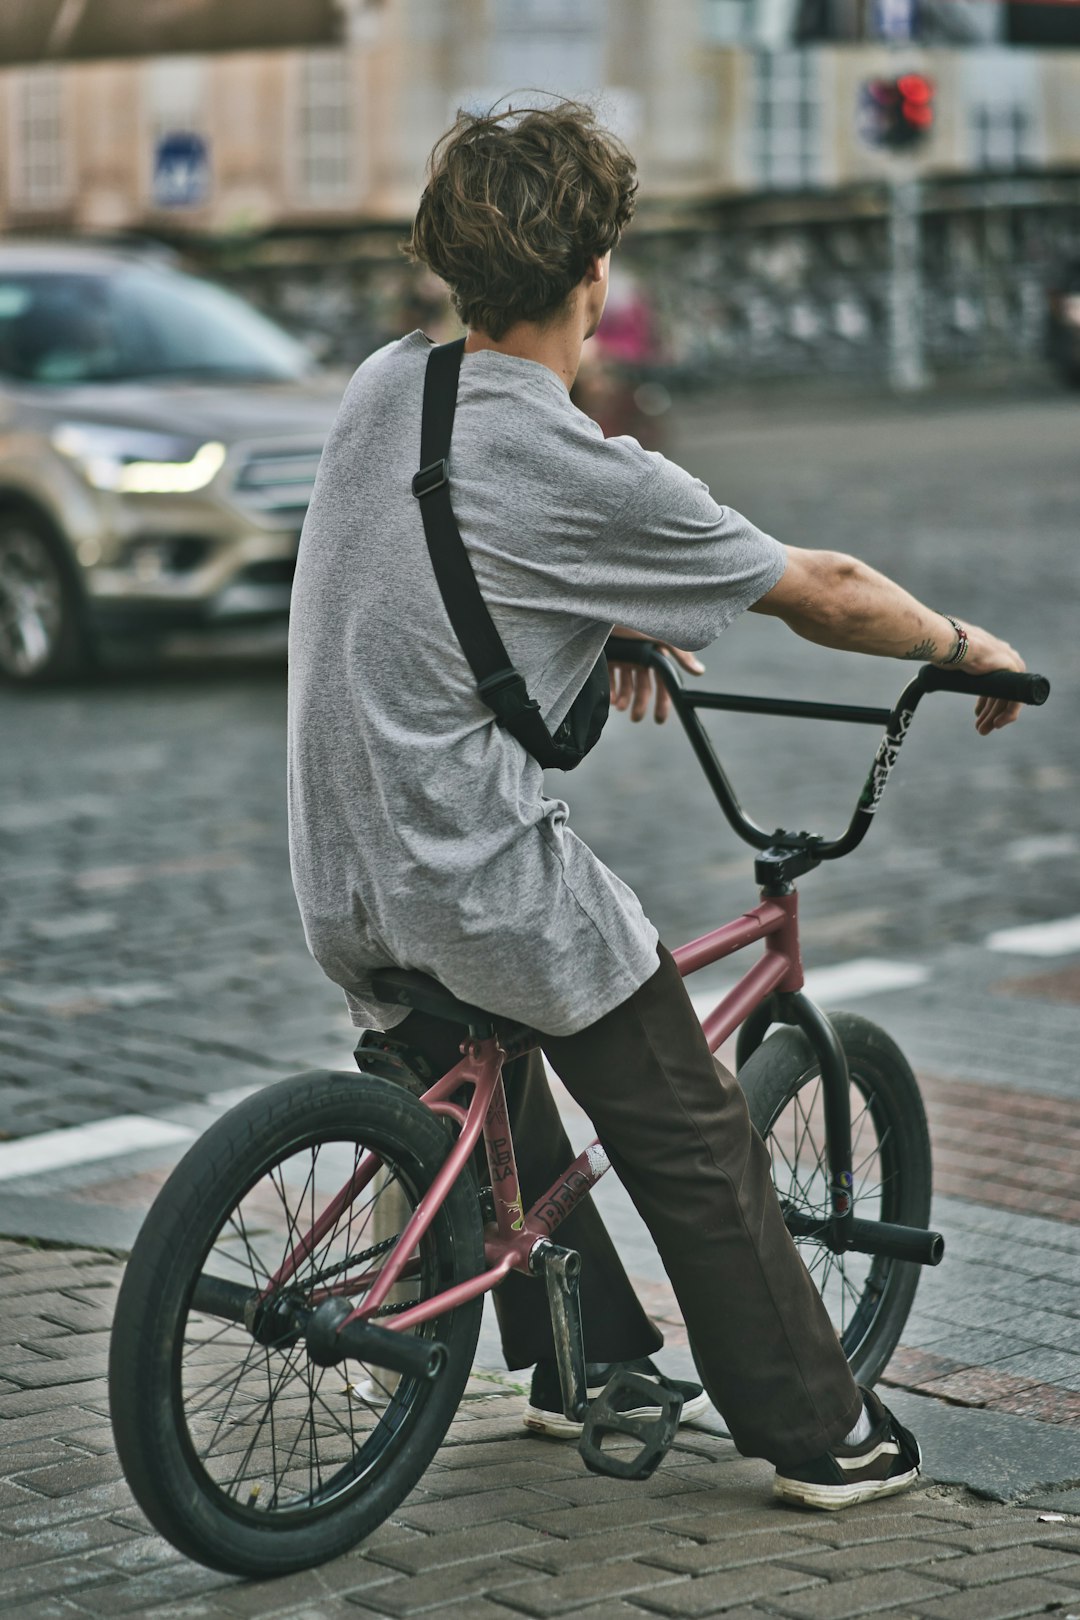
(299, 1315)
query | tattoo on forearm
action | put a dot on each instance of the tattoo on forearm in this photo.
(921, 651)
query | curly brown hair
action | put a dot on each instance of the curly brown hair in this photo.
(515, 205)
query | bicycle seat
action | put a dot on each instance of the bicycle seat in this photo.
(420, 990)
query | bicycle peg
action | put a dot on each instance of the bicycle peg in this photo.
(328, 1340)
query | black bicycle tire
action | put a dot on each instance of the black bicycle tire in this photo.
(152, 1308)
(780, 1067)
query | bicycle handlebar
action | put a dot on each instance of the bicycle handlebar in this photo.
(808, 850)
(1001, 683)
(1014, 687)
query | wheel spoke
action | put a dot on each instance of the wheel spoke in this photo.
(292, 1234)
(208, 1392)
(795, 1184)
(255, 1265)
(287, 1369)
(805, 1119)
(204, 1344)
(292, 1449)
(228, 1404)
(874, 1151)
(858, 1125)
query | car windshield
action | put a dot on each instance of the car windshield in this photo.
(64, 328)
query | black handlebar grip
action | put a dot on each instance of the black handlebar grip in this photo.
(627, 650)
(1009, 684)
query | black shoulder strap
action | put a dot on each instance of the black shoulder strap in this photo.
(499, 684)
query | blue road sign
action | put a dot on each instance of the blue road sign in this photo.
(895, 20)
(181, 170)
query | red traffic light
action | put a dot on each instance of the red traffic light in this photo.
(916, 100)
(896, 113)
(914, 87)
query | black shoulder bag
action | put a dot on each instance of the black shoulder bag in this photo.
(498, 683)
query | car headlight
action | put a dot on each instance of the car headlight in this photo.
(129, 462)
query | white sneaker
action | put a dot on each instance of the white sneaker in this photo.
(544, 1413)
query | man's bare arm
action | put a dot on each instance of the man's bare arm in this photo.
(838, 601)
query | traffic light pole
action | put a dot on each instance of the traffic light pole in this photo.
(907, 366)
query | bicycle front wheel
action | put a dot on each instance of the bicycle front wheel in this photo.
(868, 1296)
(241, 1450)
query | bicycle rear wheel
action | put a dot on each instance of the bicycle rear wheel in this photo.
(868, 1296)
(241, 1450)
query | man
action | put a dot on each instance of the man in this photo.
(420, 831)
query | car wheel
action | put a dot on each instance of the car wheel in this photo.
(42, 637)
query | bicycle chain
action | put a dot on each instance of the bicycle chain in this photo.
(393, 1310)
(352, 1260)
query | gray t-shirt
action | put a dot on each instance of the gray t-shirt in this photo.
(420, 831)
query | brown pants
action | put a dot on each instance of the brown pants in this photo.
(677, 1131)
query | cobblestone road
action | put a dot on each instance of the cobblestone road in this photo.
(153, 966)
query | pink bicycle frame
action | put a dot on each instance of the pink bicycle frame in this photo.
(509, 1242)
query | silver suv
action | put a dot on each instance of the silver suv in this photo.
(158, 444)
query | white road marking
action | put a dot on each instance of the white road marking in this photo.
(864, 976)
(60, 998)
(1038, 939)
(1051, 846)
(133, 1133)
(847, 981)
(75, 926)
(79, 1144)
(27, 815)
(228, 1099)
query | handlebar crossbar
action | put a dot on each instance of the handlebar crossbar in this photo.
(797, 708)
(786, 855)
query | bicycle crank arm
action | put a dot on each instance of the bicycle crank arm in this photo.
(872, 1237)
(561, 1271)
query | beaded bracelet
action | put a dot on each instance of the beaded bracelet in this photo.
(959, 652)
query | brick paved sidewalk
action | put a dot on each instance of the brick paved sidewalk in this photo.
(152, 959)
(503, 1524)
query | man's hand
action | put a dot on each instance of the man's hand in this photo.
(984, 655)
(632, 684)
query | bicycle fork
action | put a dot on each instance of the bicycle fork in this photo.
(843, 1230)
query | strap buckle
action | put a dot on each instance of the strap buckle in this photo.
(506, 694)
(430, 478)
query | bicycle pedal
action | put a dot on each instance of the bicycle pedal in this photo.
(656, 1433)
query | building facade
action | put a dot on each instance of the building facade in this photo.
(712, 95)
